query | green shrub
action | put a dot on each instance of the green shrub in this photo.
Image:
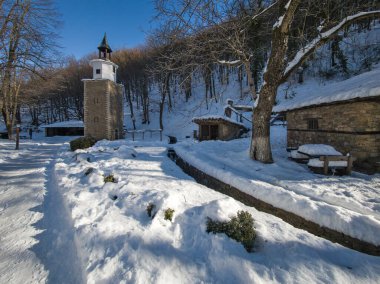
(169, 214)
(82, 143)
(110, 178)
(149, 210)
(239, 228)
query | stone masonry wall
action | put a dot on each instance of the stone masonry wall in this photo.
(96, 104)
(352, 127)
(116, 110)
(228, 131)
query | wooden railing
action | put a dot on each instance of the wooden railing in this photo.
(142, 132)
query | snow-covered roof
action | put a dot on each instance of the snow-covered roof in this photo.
(362, 86)
(65, 124)
(217, 118)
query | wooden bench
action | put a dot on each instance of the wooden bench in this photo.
(327, 159)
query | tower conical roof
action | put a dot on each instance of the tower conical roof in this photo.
(104, 46)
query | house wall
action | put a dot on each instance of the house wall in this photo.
(352, 127)
(102, 109)
(228, 131)
(225, 131)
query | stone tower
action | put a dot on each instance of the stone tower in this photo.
(103, 103)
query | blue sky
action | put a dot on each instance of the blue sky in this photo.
(85, 22)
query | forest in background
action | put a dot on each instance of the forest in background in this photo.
(56, 93)
(263, 43)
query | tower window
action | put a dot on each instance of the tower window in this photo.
(312, 123)
(97, 71)
(96, 119)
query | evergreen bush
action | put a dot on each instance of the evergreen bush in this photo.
(169, 214)
(110, 178)
(82, 143)
(239, 228)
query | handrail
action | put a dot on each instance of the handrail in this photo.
(142, 131)
(238, 113)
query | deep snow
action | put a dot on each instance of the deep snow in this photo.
(349, 204)
(60, 225)
(121, 244)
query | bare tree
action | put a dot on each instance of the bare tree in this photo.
(27, 43)
(280, 65)
(227, 29)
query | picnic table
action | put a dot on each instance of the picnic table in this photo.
(323, 156)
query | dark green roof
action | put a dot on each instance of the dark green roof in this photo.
(104, 46)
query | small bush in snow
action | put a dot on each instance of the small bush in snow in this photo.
(82, 143)
(110, 178)
(149, 210)
(239, 228)
(169, 214)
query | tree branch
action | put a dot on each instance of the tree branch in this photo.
(303, 54)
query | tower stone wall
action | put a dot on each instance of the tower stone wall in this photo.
(103, 109)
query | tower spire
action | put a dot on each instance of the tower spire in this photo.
(104, 49)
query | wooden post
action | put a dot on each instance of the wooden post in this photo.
(133, 136)
(349, 165)
(160, 134)
(143, 134)
(195, 134)
(17, 136)
(325, 165)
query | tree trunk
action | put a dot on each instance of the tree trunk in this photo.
(251, 81)
(128, 93)
(260, 144)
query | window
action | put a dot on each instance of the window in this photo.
(312, 123)
(97, 71)
(96, 119)
(114, 69)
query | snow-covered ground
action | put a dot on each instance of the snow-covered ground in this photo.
(59, 225)
(32, 222)
(120, 243)
(349, 204)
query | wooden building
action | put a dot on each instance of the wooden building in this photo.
(65, 128)
(218, 128)
(345, 115)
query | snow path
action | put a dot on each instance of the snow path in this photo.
(36, 237)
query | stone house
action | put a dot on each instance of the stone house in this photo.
(345, 115)
(103, 100)
(218, 128)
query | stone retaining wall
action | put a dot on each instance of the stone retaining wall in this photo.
(288, 217)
